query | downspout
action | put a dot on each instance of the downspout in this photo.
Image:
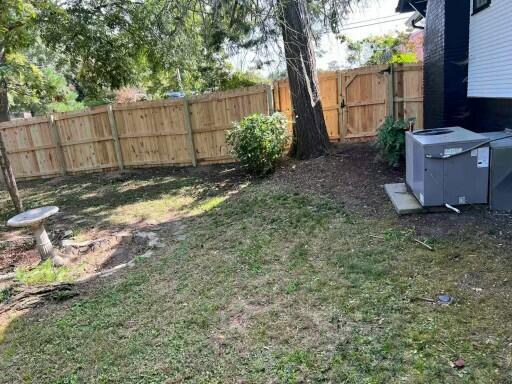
(413, 23)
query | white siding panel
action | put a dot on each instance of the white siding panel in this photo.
(490, 51)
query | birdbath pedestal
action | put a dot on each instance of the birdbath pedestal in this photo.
(34, 219)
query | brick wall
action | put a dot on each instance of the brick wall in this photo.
(446, 50)
(433, 76)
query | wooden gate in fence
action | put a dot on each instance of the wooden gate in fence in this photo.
(356, 102)
(364, 101)
(191, 131)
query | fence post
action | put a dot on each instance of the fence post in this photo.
(342, 103)
(58, 144)
(275, 96)
(339, 92)
(391, 91)
(115, 136)
(270, 99)
(190, 134)
(403, 108)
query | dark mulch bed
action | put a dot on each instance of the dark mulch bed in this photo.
(17, 254)
(355, 175)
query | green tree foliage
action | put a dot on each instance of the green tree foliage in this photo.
(17, 32)
(38, 89)
(134, 42)
(258, 142)
(32, 78)
(102, 45)
(38, 82)
(376, 50)
(238, 79)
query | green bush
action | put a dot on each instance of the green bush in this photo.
(258, 142)
(391, 140)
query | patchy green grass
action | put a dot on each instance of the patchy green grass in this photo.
(44, 273)
(5, 294)
(276, 286)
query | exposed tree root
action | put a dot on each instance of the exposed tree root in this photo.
(23, 297)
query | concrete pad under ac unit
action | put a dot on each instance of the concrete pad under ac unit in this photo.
(404, 201)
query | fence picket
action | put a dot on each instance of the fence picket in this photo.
(58, 144)
(115, 137)
(190, 134)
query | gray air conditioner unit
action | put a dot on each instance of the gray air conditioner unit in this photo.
(447, 166)
(500, 184)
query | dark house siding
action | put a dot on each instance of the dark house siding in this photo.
(445, 74)
(487, 115)
(446, 50)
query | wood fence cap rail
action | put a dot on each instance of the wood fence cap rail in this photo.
(83, 112)
(246, 91)
(147, 104)
(21, 122)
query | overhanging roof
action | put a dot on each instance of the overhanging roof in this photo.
(411, 6)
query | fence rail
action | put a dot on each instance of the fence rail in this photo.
(192, 131)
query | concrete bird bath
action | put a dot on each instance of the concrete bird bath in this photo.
(34, 219)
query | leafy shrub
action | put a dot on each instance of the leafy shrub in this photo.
(258, 142)
(391, 140)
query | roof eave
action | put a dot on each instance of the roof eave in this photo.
(405, 6)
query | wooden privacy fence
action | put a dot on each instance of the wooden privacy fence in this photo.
(165, 132)
(356, 102)
(192, 131)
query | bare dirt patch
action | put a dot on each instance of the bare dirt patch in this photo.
(106, 224)
(17, 254)
(352, 173)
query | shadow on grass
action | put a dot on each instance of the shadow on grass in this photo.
(97, 199)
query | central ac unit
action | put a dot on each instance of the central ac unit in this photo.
(447, 166)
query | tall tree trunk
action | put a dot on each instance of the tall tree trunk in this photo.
(4, 101)
(5, 164)
(9, 180)
(310, 135)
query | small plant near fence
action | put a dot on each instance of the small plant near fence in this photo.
(391, 140)
(258, 142)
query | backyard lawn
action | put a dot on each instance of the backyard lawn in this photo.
(307, 276)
